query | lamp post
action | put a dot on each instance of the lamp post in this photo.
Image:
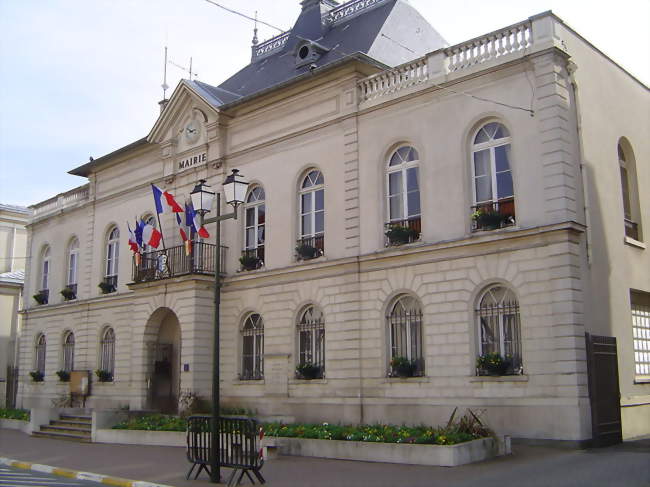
(234, 188)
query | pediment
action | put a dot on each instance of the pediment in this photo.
(186, 112)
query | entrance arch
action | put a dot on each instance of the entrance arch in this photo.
(163, 360)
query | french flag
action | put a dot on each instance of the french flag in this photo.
(150, 235)
(193, 221)
(133, 244)
(165, 202)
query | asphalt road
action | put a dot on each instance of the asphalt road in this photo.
(626, 465)
(15, 477)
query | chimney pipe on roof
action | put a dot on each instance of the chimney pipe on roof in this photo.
(163, 104)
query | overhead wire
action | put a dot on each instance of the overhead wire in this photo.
(244, 15)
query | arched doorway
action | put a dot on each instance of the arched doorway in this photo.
(163, 361)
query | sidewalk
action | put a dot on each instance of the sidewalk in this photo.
(625, 465)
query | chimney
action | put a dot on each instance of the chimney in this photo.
(163, 104)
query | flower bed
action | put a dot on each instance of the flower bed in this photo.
(19, 414)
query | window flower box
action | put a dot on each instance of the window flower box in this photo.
(64, 375)
(401, 234)
(69, 293)
(104, 375)
(107, 287)
(493, 364)
(42, 296)
(309, 371)
(307, 252)
(37, 376)
(250, 262)
(403, 367)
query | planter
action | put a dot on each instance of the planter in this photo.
(308, 371)
(249, 263)
(141, 437)
(14, 424)
(400, 235)
(307, 252)
(432, 455)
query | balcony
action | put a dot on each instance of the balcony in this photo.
(61, 202)
(175, 262)
(308, 248)
(400, 232)
(252, 259)
(492, 215)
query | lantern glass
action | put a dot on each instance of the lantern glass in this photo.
(202, 197)
(234, 188)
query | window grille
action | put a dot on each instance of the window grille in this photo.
(641, 333)
(311, 340)
(499, 325)
(40, 353)
(68, 352)
(252, 348)
(107, 358)
(405, 327)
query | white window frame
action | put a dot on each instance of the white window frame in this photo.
(45, 269)
(313, 189)
(491, 144)
(640, 308)
(256, 331)
(112, 252)
(403, 168)
(501, 322)
(254, 205)
(68, 345)
(40, 353)
(311, 321)
(107, 350)
(73, 262)
(413, 317)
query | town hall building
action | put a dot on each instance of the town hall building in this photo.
(426, 226)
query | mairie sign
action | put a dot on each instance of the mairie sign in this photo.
(192, 160)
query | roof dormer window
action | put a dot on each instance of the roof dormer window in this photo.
(308, 52)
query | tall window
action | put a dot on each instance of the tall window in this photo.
(499, 328)
(311, 343)
(112, 258)
(45, 270)
(107, 357)
(68, 351)
(403, 189)
(255, 220)
(631, 210)
(493, 187)
(39, 353)
(405, 333)
(312, 212)
(641, 334)
(252, 348)
(73, 265)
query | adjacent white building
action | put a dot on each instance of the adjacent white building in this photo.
(429, 205)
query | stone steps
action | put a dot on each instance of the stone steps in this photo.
(67, 427)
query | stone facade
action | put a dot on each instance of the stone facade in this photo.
(345, 122)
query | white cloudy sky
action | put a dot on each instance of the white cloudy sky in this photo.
(82, 77)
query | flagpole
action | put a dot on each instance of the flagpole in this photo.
(162, 234)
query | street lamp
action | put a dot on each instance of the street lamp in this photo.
(234, 188)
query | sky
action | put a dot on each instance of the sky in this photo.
(81, 78)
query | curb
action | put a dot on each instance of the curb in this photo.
(73, 474)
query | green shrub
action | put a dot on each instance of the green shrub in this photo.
(153, 422)
(20, 414)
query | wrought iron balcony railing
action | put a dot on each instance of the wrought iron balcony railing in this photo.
(631, 229)
(399, 232)
(493, 214)
(175, 262)
(310, 247)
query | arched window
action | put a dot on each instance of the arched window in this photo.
(112, 260)
(40, 350)
(499, 329)
(149, 220)
(107, 357)
(404, 321)
(254, 229)
(252, 348)
(312, 216)
(629, 190)
(493, 189)
(311, 344)
(45, 270)
(403, 192)
(68, 351)
(73, 265)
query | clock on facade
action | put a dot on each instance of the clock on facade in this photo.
(192, 131)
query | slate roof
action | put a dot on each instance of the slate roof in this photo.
(391, 33)
(14, 277)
